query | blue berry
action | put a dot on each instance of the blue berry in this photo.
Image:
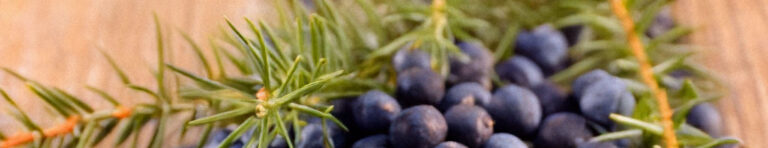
(477, 69)
(374, 111)
(312, 135)
(472, 93)
(515, 110)
(420, 126)
(572, 33)
(343, 110)
(585, 80)
(450, 144)
(681, 73)
(375, 141)
(408, 58)
(418, 86)
(220, 135)
(705, 117)
(309, 5)
(520, 70)
(604, 97)
(627, 104)
(562, 130)
(661, 24)
(469, 124)
(545, 46)
(552, 98)
(504, 140)
(278, 142)
(622, 143)
(596, 145)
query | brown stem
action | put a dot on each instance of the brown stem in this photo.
(646, 71)
(62, 129)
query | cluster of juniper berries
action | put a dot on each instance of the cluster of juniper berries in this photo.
(465, 109)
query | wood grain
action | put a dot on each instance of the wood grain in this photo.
(56, 42)
(732, 36)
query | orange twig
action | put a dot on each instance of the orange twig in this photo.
(121, 112)
(22, 138)
(646, 72)
(62, 129)
(18, 139)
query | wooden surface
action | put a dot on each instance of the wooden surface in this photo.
(733, 36)
(56, 42)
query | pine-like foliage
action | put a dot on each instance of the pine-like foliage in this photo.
(320, 50)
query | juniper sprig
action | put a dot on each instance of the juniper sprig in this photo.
(286, 71)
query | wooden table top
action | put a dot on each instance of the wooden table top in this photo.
(56, 42)
(734, 38)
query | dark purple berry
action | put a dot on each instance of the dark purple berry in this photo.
(562, 130)
(515, 110)
(731, 145)
(418, 86)
(469, 124)
(312, 135)
(408, 58)
(552, 98)
(596, 145)
(477, 69)
(545, 46)
(661, 24)
(309, 5)
(343, 110)
(704, 116)
(623, 143)
(627, 104)
(450, 144)
(374, 111)
(220, 135)
(680, 73)
(375, 141)
(343, 106)
(420, 126)
(519, 70)
(471, 93)
(504, 140)
(585, 80)
(604, 97)
(278, 142)
(572, 33)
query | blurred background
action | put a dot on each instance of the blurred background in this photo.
(57, 43)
